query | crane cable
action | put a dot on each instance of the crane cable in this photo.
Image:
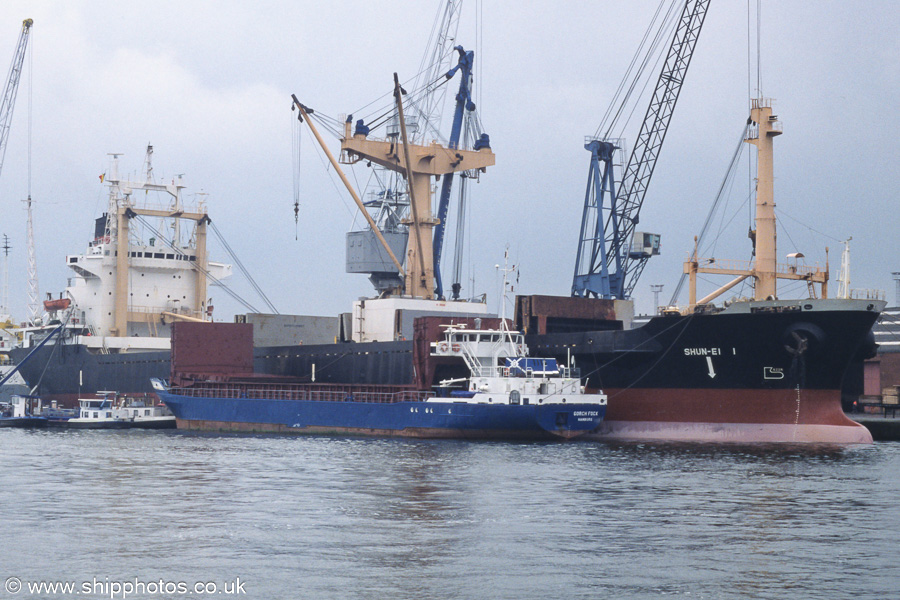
(729, 175)
(206, 272)
(632, 77)
(242, 268)
(296, 139)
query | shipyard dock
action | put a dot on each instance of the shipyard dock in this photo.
(884, 428)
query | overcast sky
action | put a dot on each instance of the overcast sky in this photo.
(209, 85)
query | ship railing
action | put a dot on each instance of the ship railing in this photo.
(565, 372)
(138, 308)
(570, 372)
(305, 394)
(490, 372)
(143, 310)
(867, 294)
(797, 269)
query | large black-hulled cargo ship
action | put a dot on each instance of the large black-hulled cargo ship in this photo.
(768, 371)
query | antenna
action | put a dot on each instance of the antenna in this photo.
(896, 275)
(148, 164)
(506, 270)
(656, 288)
(4, 309)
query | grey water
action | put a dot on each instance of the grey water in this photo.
(131, 514)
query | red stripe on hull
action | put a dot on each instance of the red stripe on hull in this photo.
(745, 416)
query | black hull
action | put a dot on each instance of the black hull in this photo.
(716, 351)
(69, 370)
(759, 364)
(749, 351)
(73, 370)
(23, 422)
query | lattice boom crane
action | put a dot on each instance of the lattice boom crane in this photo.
(611, 255)
(12, 87)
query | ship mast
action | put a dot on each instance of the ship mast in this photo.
(122, 209)
(767, 127)
(764, 270)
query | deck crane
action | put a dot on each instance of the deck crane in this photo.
(611, 256)
(388, 202)
(389, 206)
(12, 87)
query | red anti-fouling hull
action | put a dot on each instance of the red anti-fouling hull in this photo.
(735, 415)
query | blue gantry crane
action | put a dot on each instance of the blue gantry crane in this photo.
(611, 253)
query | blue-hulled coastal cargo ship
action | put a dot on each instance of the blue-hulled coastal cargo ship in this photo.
(506, 394)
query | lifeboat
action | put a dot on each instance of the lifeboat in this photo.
(58, 304)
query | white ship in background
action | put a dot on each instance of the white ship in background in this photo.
(145, 266)
(141, 270)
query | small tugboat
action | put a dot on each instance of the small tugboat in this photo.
(19, 413)
(112, 411)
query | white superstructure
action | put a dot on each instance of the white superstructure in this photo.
(110, 409)
(143, 269)
(501, 372)
(391, 318)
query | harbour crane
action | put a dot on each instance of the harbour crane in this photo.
(12, 87)
(389, 205)
(611, 254)
(425, 119)
(6, 111)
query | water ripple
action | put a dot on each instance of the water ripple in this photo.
(362, 518)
